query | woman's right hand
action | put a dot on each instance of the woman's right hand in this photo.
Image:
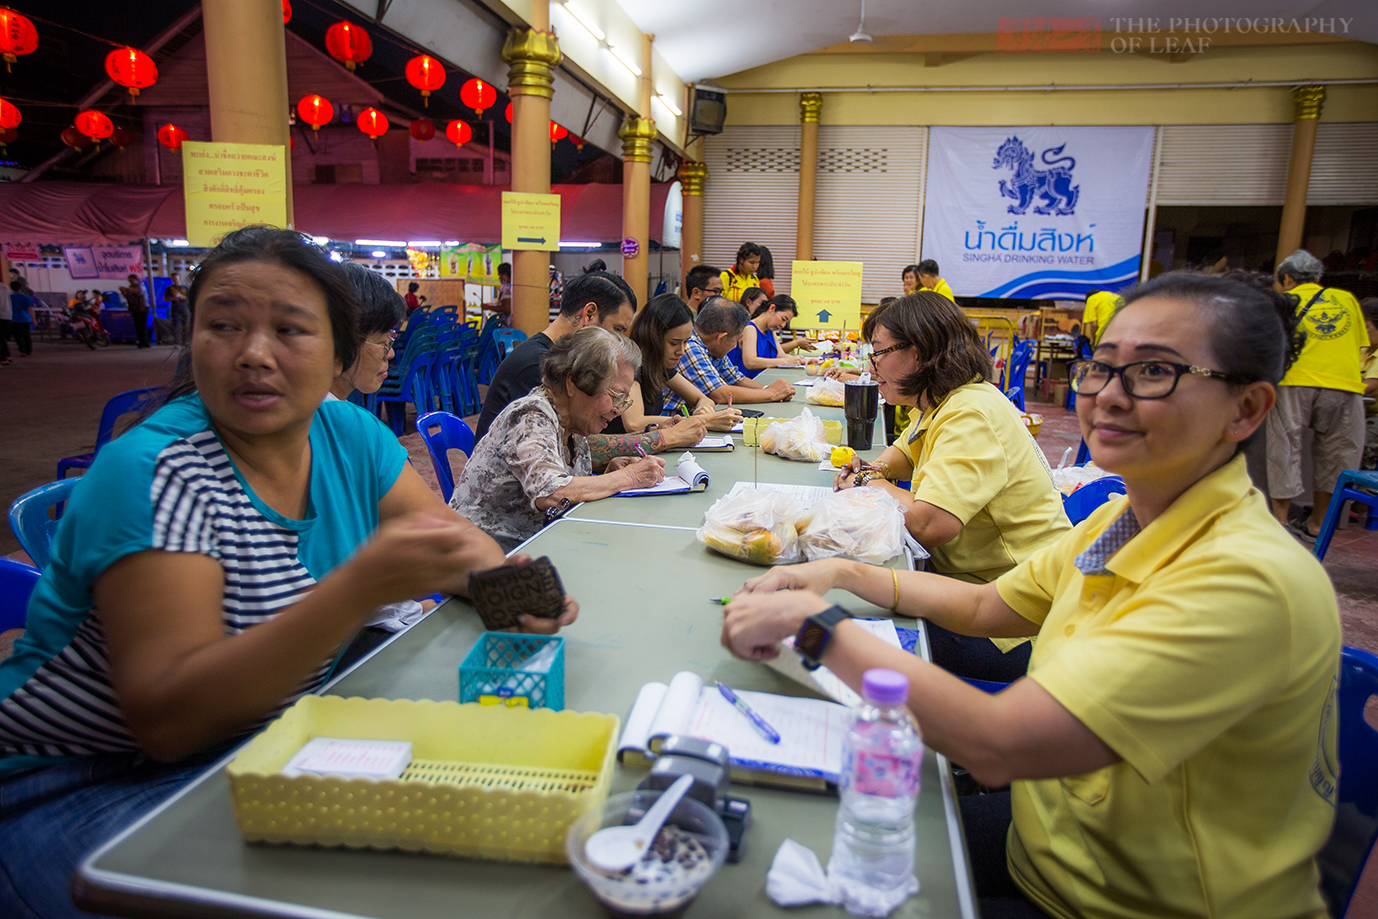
(818, 577)
(418, 554)
(687, 433)
(638, 473)
(847, 477)
(724, 420)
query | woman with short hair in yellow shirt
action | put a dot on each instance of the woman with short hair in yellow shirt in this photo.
(981, 497)
(1172, 750)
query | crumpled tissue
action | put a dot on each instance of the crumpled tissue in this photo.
(796, 878)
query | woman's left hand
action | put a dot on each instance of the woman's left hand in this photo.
(754, 624)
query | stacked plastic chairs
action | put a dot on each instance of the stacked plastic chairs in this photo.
(435, 369)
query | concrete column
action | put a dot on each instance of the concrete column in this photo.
(246, 66)
(531, 54)
(638, 134)
(1309, 100)
(691, 176)
(810, 107)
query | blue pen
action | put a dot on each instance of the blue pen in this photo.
(768, 732)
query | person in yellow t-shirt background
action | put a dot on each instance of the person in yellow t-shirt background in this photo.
(981, 496)
(1172, 750)
(1100, 306)
(929, 279)
(1322, 392)
(1370, 371)
(742, 274)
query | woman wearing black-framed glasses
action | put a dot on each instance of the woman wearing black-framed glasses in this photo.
(1179, 705)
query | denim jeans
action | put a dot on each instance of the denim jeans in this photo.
(986, 822)
(52, 816)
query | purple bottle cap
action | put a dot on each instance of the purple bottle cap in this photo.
(885, 687)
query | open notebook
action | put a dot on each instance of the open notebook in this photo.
(689, 476)
(809, 754)
(823, 679)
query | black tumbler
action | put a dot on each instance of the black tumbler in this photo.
(861, 402)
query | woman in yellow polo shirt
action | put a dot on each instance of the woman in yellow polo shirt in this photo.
(981, 496)
(1172, 750)
(742, 275)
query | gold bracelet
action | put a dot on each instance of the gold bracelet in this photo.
(894, 607)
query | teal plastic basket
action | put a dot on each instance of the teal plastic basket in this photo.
(499, 670)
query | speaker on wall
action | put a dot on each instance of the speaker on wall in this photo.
(707, 110)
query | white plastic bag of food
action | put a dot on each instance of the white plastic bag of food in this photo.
(1069, 478)
(755, 525)
(861, 523)
(826, 392)
(802, 438)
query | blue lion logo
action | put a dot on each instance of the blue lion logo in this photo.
(1053, 185)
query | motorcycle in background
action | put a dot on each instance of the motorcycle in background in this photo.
(86, 326)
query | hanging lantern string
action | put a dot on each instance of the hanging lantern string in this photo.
(97, 38)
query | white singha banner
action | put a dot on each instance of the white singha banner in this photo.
(1040, 213)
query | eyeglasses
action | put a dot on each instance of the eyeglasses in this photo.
(1141, 379)
(621, 401)
(385, 345)
(884, 351)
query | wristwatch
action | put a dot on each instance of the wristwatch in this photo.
(815, 634)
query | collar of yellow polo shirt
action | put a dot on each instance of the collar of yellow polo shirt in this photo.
(1335, 336)
(942, 288)
(1205, 653)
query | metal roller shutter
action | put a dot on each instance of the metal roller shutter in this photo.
(1243, 164)
(870, 202)
(752, 194)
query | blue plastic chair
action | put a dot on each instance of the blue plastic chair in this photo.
(1081, 503)
(30, 521)
(16, 586)
(123, 404)
(442, 433)
(1084, 353)
(1018, 369)
(1348, 488)
(1345, 853)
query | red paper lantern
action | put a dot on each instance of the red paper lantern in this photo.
(557, 133)
(74, 138)
(348, 44)
(131, 68)
(286, 12)
(315, 111)
(372, 122)
(7, 136)
(478, 95)
(95, 125)
(171, 136)
(579, 143)
(9, 114)
(17, 36)
(123, 138)
(426, 74)
(508, 113)
(458, 132)
(422, 130)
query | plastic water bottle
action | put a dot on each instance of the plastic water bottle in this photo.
(873, 844)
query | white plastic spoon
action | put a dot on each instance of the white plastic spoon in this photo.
(617, 848)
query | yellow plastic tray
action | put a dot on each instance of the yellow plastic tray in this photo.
(752, 426)
(485, 781)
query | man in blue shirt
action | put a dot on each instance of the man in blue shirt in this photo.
(21, 320)
(717, 330)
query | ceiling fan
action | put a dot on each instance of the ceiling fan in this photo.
(860, 36)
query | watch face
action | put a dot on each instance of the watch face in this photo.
(811, 639)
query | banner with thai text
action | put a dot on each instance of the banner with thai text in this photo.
(104, 262)
(1036, 212)
(229, 186)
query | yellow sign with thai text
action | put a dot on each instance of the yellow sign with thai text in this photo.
(229, 186)
(828, 294)
(530, 221)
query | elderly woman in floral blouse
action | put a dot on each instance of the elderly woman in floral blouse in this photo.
(534, 462)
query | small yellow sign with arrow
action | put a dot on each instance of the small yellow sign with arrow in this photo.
(530, 221)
